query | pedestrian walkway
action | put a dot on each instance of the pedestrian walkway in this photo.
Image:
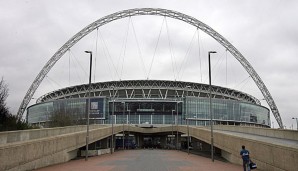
(145, 160)
(273, 140)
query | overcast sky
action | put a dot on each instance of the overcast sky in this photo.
(265, 32)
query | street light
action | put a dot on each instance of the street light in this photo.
(210, 105)
(128, 127)
(112, 145)
(296, 121)
(123, 125)
(128, 116)
(187, 106)
(89, 102)
(172, 139)
(177, 125)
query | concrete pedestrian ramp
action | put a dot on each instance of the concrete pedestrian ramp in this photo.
(271, 149)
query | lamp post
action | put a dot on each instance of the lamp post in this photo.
(128, 127)
(296, 121)
(128, 118)
(89, 102)
(187, 122)
(112, 142)
(177, 125)
(172, 139)
(210, 105)
(123, 125)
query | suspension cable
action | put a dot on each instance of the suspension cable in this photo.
(200, 60)
(68, 67)
(95, 56)
(226, 67)
(171, 50)
(244, 85)
(107, 53)
(77, 62)
(105, 56)
(186, 56)
(155, 48)
(124, 48)
(245, 80)
(53, 81)
(219, 62)
(139, 49)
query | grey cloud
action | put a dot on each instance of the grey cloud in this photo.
(265, 32)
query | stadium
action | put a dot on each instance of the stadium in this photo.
(152, 102)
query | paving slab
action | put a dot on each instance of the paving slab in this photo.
(145, 160)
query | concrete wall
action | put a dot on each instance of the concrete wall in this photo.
(96, 152)
(25, 135)
(267, 155)
(31, 149)
(36, 153)
(268, 132)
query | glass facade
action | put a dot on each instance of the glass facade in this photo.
(194, 108)
(153, 111)
(226, 110)
(40, 112)
(76, 108)
(142, 111)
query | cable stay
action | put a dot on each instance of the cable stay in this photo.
(203, 52)
(174, 68)
(110, 71)
(155, 48)
(218, 65)
(200, 60)
(243, 81)
(52, 81)
(95, 56)
(75, 61)
(214, 66)
(226, 67)
(245, 84)
(229, 70)
(185, 59)
(69, 67)
(139, 50)
(108, 57)
(123, 49)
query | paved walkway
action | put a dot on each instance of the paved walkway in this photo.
(267, 139)
(145, 160)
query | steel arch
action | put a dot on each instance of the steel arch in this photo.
(159, 12)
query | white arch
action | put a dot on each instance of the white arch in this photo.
(159, 12)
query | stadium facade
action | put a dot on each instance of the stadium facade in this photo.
(152, 102)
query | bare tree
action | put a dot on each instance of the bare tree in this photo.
(9, 122)
(62, 118)
(4, 112)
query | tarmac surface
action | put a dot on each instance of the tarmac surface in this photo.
(145, 160)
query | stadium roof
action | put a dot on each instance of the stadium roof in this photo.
(147, 89)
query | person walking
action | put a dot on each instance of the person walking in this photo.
(245, 157)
